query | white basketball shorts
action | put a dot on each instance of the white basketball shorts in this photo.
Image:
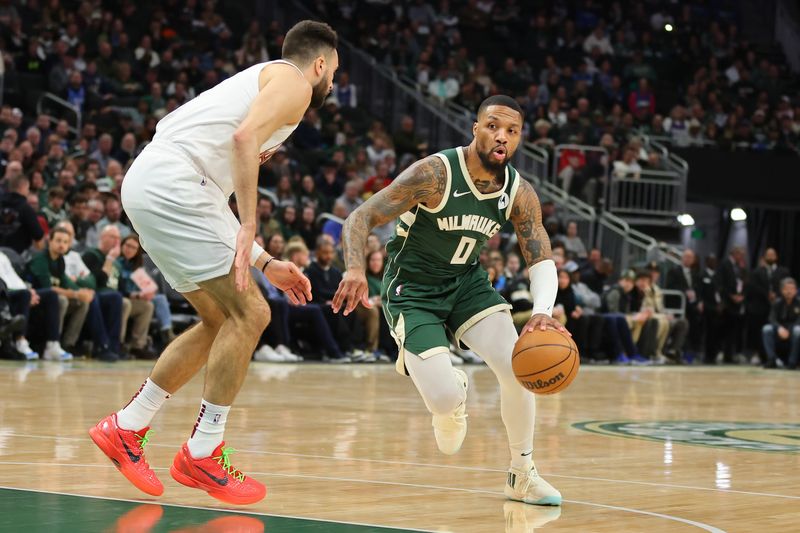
(182, 218)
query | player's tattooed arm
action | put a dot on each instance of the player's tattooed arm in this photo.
(424, 182)
(526, 215)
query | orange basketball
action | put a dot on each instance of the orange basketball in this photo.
(545, 362)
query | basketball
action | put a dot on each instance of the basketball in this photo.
(545, 362)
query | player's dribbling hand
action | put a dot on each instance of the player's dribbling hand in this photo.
(542, 322)
(241, 263)
(353, 289)
(288, 278)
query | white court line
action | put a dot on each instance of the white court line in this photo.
(455, 467)
(215, 509)
(701, 525)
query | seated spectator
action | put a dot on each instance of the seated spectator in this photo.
(572, 242)
(289, 222)
(101, 262)
(54, 211)
(406, 141)
(672, 331)
(325, 279)
(136, 284)
(345, 92)
(96, 212)
(625, 323)
(590, 303)
(21, 299)
(379, 150)
(47, 270)
(307, 226)
(629, 166)
(351, 198)
(783, 329)
(285, 193)
(113, 218)
(378, 182)
(79, 217)
(444, 86)
(333, 227)
(268, 225)
(275, 245)
(108, 303)
(570, 314)
(382, 344)
(309, 196)
(19, 225)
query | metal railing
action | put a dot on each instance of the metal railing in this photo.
(656, 193)
(62, 105)
(626, 247)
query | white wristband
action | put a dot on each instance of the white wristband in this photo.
(544, 287)
(255, 253)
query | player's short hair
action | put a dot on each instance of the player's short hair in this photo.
(307, 40)
(502, 100)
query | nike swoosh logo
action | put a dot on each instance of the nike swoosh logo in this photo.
(526, 454)
(220, 481)
(134, 458)
(456, 194)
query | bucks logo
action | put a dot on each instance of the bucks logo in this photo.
(754, 436)
(503, 202)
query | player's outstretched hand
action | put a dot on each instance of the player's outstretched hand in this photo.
(288, 278)
(352, 289)
(542, 322)
(241, 262)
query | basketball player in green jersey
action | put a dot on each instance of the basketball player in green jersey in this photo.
(449, 204)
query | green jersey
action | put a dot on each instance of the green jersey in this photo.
(433, 245)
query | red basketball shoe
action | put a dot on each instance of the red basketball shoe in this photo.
(125, 448)
(216, 476)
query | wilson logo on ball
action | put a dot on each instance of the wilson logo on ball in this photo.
(542, 383)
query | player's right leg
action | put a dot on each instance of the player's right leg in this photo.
(444, 390)
(123, 435)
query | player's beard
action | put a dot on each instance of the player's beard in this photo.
(496, 168)
(319, 93)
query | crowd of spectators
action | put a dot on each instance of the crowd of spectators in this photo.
(73, 266)
(582, 68)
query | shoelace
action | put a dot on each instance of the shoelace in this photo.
(225, 462)
(142, 441)
(528, 479)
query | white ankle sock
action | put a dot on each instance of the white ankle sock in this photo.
(208, 429)
(142, 407)
(521, 458)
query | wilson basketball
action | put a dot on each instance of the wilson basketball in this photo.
(545, 362)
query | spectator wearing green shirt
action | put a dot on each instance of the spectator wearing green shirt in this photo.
(47, 270)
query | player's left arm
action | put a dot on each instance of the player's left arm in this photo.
(283, 100)
(526, 216)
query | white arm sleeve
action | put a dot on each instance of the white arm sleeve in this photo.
(544, 286)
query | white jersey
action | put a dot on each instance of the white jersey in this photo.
(203, 127)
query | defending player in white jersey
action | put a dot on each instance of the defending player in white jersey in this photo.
(176, 196)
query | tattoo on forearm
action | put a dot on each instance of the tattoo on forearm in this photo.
(526, 216)
(423, 182)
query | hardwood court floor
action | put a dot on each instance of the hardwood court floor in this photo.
(631, 449)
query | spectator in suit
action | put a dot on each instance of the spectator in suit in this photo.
(687, 279)
(760, 293)
(710, 307)
(784, 326)
(731, 279)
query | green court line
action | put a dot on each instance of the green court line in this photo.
(33, 511)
